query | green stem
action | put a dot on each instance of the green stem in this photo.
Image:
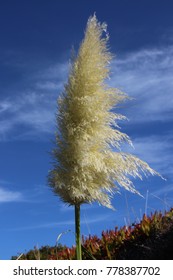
(77, 225)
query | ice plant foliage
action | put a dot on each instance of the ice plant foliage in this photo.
(88, 163)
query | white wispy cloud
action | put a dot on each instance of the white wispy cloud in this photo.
(157, 151)
(48, 85)
(96, 219)
(5, 105)
(146, 75)
(9, 196)
(55, 72)
(165, 191)
(33, 109)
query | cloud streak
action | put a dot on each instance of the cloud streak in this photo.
(32, 104)
(146, 75)
(157, 151)
(96, 219)
(9, 196)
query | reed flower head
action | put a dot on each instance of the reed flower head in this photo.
(86, 167)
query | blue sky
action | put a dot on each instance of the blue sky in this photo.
(36, 40)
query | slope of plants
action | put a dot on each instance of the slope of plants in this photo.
(152, 238)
